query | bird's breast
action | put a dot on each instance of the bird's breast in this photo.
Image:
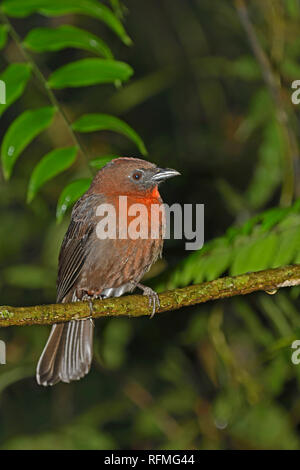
(134, 242)
(133, 217)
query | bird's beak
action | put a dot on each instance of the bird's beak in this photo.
(162, 174)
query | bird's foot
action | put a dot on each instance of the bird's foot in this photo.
(152, 296)
(89, 298)
(91, 312)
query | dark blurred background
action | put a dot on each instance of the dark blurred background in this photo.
(194, 378)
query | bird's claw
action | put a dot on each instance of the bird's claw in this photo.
(89, 299)
(152, 297)
(91, 312)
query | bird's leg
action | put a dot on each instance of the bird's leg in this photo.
(152, 296)
(91, 312)
(89, 298)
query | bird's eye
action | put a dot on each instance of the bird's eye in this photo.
(137, 175)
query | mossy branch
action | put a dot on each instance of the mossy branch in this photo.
(137, 305)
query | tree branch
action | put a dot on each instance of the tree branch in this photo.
(137, 305)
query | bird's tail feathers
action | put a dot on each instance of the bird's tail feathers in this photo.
(68, 353)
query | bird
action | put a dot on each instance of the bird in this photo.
(92, 267)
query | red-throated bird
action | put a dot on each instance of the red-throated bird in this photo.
(93, 267)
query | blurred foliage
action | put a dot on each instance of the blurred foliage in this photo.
(213, 376)
(268, 240)
(80, 73)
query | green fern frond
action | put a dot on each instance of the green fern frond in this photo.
(268, 240)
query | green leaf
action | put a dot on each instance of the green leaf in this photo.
(21, 8)
(118, 8)
(217, 262)
(272, 217)
(3, 35)
(290, 68)
(99, 162)
(254, 255)
(186, 274)
(246, 68)
(105, 122)
(50, 39)
(289, 245)
(71, 193)
(267, 240)
(15, 77)
(293, 8)
(86, 72)
(51, 165)
(297, 258)
(21, 132)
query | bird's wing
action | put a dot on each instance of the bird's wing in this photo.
(75, 247)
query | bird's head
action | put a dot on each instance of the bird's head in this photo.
(130, 176)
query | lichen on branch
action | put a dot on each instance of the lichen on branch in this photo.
(269, 281)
